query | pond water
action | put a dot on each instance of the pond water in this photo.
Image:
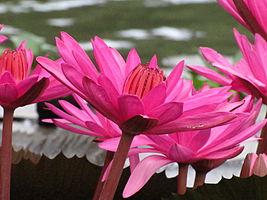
(165, 27)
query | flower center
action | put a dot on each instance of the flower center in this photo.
(142, 79)
(14, 62)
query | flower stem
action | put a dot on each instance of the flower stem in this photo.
(6, 154)
(182, 179)
(100, 184)
(115, 172)
(262, 146)
(199, 179)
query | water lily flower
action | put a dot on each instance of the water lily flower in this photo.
(19, 87)
(218, 143)
(127, 93)
(136, 96)
(2, 38)
(254, 164)
(250, 13)
(249, 75)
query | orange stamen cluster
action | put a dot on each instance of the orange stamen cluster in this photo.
(142, 79)
(15, 62)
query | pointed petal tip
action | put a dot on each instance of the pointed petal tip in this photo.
(153, 62)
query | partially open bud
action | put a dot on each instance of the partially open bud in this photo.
(254, 164)
(142, 79)
(15, 62)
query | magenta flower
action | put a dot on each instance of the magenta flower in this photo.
(219, 143)
(250, 13)
(135, 96)
(18, 86)
(248, 75)
(2, 38)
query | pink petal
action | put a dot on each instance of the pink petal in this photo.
(162, 142)
(73, 110)
(111, 144)
(73, 76)
(107, 85)
(181, 154)
(107, 63)
(84, 106)
(70, 128)
(32, 94)
(53, 91)
(196, 122)
(65, 52)
(7, 78)
(210, 74)
(154, 62)
(217, 60)
(142, 173)
(130, 106)
(134, 160)
(96, 129)
(65, 115)
(174, 77)
(26, 84)
(230, 7)
(223, 154)
(119, 59)
(8, 94)
(245, 134)
(132, 61)
(99, 98)
(86, 65)
(154, 97)
(54, 68)
(199, 140)
(73, 45)
(167, 112)
(182, 89)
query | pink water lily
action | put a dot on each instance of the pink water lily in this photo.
(128, 93)
(136, 96)
(19, 87)
(250, 13)
(248, 75)
(219, 143)
(2, 38)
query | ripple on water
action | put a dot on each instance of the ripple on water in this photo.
(60, 5)
(165, 32)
